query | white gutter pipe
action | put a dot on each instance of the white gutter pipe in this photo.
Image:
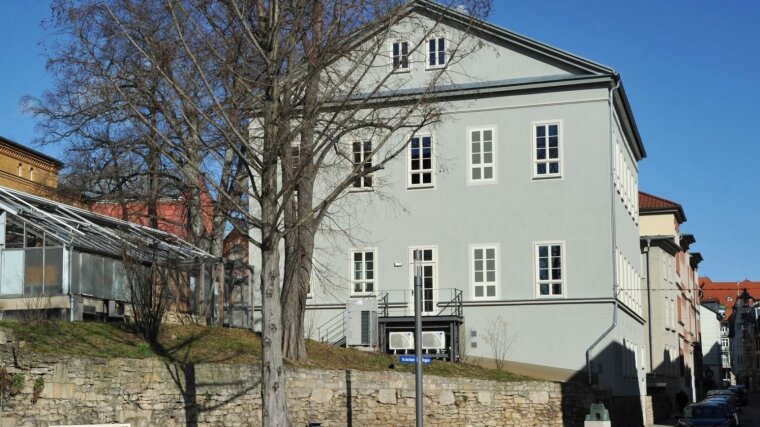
(613, 232)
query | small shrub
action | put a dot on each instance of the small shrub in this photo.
(17, 384)
(39, 385)
(144, 349)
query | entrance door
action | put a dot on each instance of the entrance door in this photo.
(429, 278)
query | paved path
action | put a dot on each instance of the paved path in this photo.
(750, 416)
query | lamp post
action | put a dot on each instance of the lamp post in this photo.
(418, 333)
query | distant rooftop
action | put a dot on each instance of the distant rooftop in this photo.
(31, 151)
(649, 204)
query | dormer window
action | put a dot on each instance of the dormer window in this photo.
(400, 55)
(436, 52)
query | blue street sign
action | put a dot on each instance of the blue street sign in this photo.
(411, 360)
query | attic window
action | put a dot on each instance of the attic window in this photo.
(436, 52)
(400, 55)
(729, 299)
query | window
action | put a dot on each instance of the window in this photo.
(436, 50)
(362, 155)
(295, 154)
(546, 150)
(20, 169)
(549, 266)
(482, 155)
(31, 174)
(421, 161)
(400, 55)
(362, 271)
(484, 271)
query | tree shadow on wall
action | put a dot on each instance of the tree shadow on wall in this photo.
(613, 363)
(182, 369)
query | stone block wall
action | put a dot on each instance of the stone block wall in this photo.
(151, 392)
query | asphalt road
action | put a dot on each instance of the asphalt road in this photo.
(750, 416)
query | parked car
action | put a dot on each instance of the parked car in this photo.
(741, 393)
(728, 394)
(707, 414)
(727, 403)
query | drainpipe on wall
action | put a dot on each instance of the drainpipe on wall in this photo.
(612, 230)
(70, 251)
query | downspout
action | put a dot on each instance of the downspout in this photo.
(70, 252)
(612, 230)
(649, 310)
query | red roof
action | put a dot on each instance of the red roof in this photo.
(649, 203)
(722, 291)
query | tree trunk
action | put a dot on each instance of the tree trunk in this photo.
(274, 405)
(299, 254)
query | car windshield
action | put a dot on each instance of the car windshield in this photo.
(703, 412)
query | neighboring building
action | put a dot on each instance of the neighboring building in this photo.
(63, 262)
(28, 170)
(171, 213)
(741, 325)
(715, 348)
(725, 293)
(671, 302)
(524, 204)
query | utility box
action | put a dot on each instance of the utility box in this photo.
(598, 416)
(361, 322)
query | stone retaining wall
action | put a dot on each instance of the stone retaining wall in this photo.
(150, 392)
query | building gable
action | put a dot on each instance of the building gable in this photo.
(480, 52)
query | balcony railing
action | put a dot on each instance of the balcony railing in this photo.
(435, 302)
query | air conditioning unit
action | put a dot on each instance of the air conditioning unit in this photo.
(433, 340)
(115, 309)
(401, 341)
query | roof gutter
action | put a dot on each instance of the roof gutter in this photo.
(613, 234)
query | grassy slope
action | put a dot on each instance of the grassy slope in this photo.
(198, 344)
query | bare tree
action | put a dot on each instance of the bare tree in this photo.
(226, 90)
(151, 284)
(498, 338)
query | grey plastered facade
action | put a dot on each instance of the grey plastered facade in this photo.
(659, 279)
(515, 85)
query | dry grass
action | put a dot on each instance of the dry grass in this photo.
(202, 344)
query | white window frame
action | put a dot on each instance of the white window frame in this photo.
(485, 283)
(436, 280)
(363, 180)
(436, 37)
(563, 266)
(351, 271)
(533, 147)
(409, 171)
(391, 55)
(494, 153)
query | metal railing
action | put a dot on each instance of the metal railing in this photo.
(334, 330)
(435, 302)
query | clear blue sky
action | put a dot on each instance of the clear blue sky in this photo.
(691, 69)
